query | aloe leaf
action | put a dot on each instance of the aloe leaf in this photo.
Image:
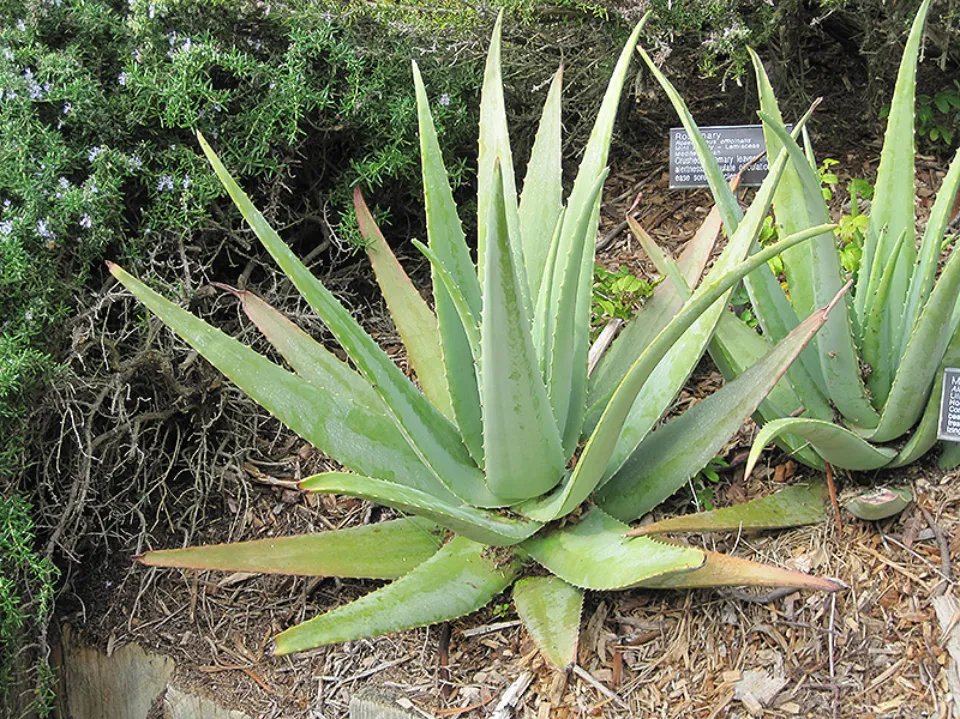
(921, 360)
(415, 321)
(435, 440)
(544, 316)
(835, 444)
(924, 435)
(522, 450)
(309, 358)
(651, 318)
(582, 202)
(467, 319)
(476, 524)
(924, 274)
(347, 430)
(668, 457)
(734, 348)
(457, 580)
(542, 195)
(447, 241)
(730, 211)
(495, 150)
(950, 456)
(600, 447)
(839, 358)
(377, 551)
(722, 570)
(550, 610)
(567, 359)
(665, 265)
(880, 503)
(876, 332)
(594, 554)
(791, 507)
(794, 205)
(893, 197)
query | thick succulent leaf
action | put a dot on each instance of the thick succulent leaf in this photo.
(652, 317)
(877, 342)
(924, 274)
(580, 202)
(722, 570)
(839, 358)
(542, 195)
(921, 360)
(950, 456)
(550, 610)
(476, 524)
(309, 358)
(349, 431)
(377, 551)
(447, 241)
(521, 443)
(415, 321)
(879, 503)
(567, 359)
(835, 444)
(791, 507)
(600, 447)
(494, 151)
(730, 211)
(735, 347)
(457, 580)
(544, 316)
(924, 435)
(667, 458)
(594, 554)
(468, 320)
(893, 197)
(794, 206)
(435, 440)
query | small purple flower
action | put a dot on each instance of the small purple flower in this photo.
(135, 162)
(21, 25)
(122, 79)
(43, 230)
(64, 183)
(28, 315)
(6, 227)
(86, 221)
(95, 152)
(92, 187)
(67, 108)
(166, 183)
(187, 182)
(444, 99)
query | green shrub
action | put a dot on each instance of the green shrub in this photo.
(26, 598)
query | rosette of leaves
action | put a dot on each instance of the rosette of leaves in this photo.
(493, 459)
(865, 393)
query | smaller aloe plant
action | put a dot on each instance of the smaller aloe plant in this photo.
(499, 450)
(873, 374)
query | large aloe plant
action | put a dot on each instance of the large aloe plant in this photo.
(496, 454)
(873, 374)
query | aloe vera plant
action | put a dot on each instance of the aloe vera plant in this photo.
(495, 457)
(873, 374)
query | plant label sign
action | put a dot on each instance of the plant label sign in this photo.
(733, 146)
(950, 406)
